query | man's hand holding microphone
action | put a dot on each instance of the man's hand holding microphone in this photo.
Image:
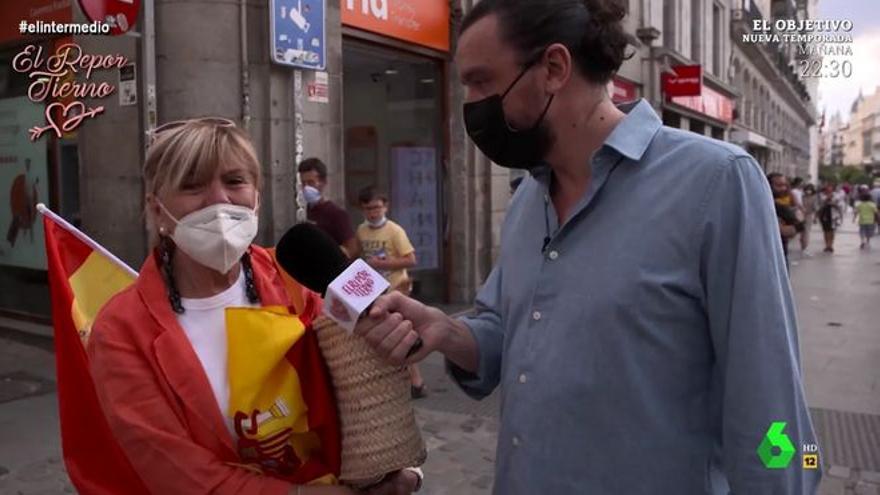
(395, 322)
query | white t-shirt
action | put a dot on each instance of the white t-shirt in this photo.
(204, 323)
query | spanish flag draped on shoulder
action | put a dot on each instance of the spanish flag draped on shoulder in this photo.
(82, 277)
(281, 400)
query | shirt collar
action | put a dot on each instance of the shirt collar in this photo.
(634, 133)
(630, 138)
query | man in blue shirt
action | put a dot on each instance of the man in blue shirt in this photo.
(639, 319)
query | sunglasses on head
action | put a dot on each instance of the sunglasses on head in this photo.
(216, 121)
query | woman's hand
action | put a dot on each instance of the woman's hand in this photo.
(403, 482)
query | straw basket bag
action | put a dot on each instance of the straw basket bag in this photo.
(379, 431)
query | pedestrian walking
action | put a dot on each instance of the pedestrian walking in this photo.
(829, 215)
(865, 213)
(809, 207)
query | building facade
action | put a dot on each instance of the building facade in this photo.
(776, 111)
(861, 137)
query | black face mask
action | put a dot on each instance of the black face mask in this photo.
(488, 129)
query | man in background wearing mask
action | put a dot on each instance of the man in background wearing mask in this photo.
(639, 318)
(329, 217)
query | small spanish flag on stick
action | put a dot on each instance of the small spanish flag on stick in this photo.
(83, 276)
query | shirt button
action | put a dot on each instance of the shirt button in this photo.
(554, 255)
(523, 378)
(536, 315)
(516, 441)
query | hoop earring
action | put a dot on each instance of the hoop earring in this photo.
(166, 254)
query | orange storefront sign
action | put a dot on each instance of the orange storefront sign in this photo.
(424, 22)
(14, 11)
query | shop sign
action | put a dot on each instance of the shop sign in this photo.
(684, 80)
(622, 90)
(711, 103)
(121, 15)
(299, 33)
(14, 11)
(423, 22)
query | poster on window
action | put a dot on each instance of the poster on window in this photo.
(414, 201)
(23, 184)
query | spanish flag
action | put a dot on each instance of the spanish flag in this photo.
(82, 277)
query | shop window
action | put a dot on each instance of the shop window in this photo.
(393, 130)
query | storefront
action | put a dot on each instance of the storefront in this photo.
(394, 115)
(30, 172)
(690, 104)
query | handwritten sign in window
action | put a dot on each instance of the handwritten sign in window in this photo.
(414, 201)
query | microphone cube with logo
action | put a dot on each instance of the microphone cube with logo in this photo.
(352, 292)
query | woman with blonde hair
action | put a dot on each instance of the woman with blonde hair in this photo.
(159, 352)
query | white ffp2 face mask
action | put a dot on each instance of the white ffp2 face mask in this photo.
(216, 236)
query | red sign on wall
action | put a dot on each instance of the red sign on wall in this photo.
(425, 22)
(622, 90)
(687, 81)
(711, 103)
(121, 15)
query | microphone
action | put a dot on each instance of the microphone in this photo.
(312, 258)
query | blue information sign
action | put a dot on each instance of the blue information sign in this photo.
(298, 36)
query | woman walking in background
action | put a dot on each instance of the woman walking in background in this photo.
(808, 202)
(829, 214)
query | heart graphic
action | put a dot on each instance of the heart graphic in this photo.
(71, 116)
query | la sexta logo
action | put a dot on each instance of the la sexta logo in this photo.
(53, 79)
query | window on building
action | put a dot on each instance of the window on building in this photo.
(717, 31)
(696, 33)
(670, 11)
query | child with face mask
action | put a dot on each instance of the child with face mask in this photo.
(387, 248)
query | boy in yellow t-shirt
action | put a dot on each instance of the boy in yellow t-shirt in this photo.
(386, 247)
